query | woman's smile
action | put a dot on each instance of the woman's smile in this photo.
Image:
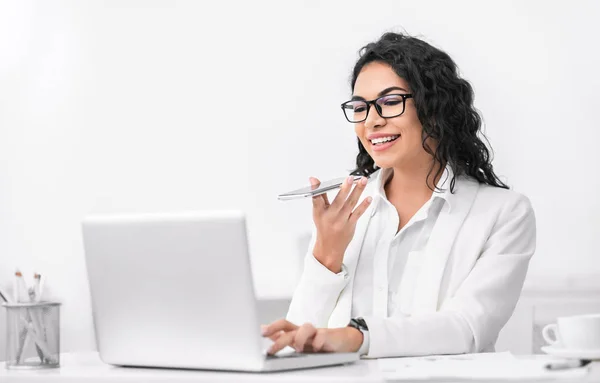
(381, 142)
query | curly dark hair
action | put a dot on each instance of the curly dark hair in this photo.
(444, 103)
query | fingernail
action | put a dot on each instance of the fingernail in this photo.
(349, 180)
(369, 199)
(363, 180)
(263, 329)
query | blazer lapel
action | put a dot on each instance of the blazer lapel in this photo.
(439, 245)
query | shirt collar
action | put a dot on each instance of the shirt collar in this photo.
(442, 189)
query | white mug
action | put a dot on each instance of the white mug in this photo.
(580, 332)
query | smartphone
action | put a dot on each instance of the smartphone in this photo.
(312, 191)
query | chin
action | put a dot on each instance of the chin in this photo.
(386, 163)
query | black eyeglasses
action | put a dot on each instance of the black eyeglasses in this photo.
(388, 106)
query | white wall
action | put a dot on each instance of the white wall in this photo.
(113, 106)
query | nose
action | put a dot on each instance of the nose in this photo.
(374, 120)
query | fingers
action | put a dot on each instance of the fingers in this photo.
(277, 326)
(360, 210)
(340, 198)
(304, 336)
(299, 338)
(314, 182)
(319, 340)
(353, 198)
(321, 201)
(285, 339)
(276, 335)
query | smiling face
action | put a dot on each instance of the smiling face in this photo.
(377, 79)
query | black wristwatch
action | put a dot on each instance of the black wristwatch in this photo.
(359, 324)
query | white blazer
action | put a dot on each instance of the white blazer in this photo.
(474, 267)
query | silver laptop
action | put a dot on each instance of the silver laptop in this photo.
(175, 290)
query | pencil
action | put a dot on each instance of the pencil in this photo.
(3, 296)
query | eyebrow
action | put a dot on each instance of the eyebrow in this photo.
(386, 90)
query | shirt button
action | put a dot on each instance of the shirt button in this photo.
(380, 288)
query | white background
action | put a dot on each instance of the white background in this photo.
(114, 106)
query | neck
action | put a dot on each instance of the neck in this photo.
(412, 183)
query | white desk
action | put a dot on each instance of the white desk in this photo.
(87, 367)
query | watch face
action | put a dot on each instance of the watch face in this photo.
(362, 323)
(359, 324)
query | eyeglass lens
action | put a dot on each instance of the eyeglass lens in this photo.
(388, 106)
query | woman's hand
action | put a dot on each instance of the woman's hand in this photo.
(336, 222)
(307, 338)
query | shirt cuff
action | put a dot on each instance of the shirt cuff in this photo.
(364, 347)
(315, 268)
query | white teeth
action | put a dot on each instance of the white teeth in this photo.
(383, 139)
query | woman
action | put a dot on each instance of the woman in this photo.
(433, 260)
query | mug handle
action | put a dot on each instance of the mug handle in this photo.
(551, 328)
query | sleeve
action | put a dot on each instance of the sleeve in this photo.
(317, 291)
(364, 347)
(472, 318)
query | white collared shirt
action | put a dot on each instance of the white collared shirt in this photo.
(389, 262)
(385, 253)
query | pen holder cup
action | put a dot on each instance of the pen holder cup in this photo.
(33, 335)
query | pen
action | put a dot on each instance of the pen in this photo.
(37, 318)
(37, 286)
(567, 364)
(40, 281)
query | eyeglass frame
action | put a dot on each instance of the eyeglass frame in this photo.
(374, 103)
